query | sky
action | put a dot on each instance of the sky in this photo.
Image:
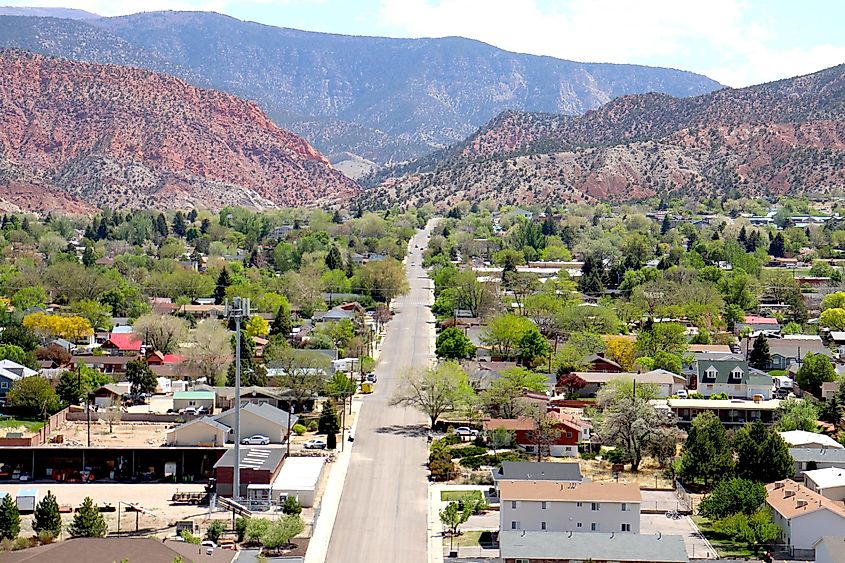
(737, 42)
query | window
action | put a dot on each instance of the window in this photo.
(514, 525)
(543, 505)
(4, 384)
(522, 560)
(579, 525)
(579, 504)
(542, 525)
(626, 527)
(596, 506)
(569, 434)
(513, 504)
(710, 373)
(736, 373)
(624, 507)
(594, 527)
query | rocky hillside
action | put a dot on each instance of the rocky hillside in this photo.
(782, 137)
(379, 99)
(88, 135)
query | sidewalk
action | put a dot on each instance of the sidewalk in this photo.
(327, 510)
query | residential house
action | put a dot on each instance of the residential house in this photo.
(829, 389)
(709, 348)
(537, 471)
(202, 311)
(598, 363)
(808, 459)
(205, 431)
(193, 399)
(757, 323)
(111, 549)
(343, 312)
(804, 439)
(225, 396)
(803, 516)
(109, 395)
(828, 482)
(112, 365)
(790, 349)
(566, 547)
(550, 506)
(571, 432)
(731, 412)
(837, 337)
(666, 382)
(830, 549)
(122, 344)
(733, 378)
(10, 372)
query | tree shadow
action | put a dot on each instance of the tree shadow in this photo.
(410, 431)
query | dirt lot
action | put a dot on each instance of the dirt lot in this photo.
(697, 546)
(123, 434)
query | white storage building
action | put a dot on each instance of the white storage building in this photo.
(299, 477)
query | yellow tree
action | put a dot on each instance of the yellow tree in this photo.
(72, 328)
(621, 350)
(257, 326)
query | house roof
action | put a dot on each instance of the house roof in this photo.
(207, 420)
(603, 491)
(194, 395)
(837, 335)
(756, 320)
(657, 376)
(792, 500)
(804, 438)
(109, 550)
(586, 546)
(724, 370)
(729, 404)
(827, 477)
(526, 423)
(259, 459)
(538, 471)
(125, 341)
(710, 348)
(16, 368)
(791, 346)
(819, 455)
(596, 358)
(265, 411)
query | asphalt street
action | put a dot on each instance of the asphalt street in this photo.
(382, 515)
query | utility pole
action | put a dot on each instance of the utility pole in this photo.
(236, 312)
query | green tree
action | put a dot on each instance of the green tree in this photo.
(33, 396)
(257, 326)
(88, 522)
(533, 346)
(180, 228)
(328, 422)
(835, 300)
(452, 344)
(10, 518)
(224, 280)
(761, 454)
(215, 529)
(383, 280)
(707, 454)
(281, 322)
(833, 318)
(733, 496)
(453, 516)
(760, 357)
(434, 391)
(292, 506)
(754, 530)
(282, 530)
(777, 247)
(17, 355)
(502, 398)
(334, 261)
(815, 370)
(252, 373)
(504, 332)
(662, 337)
(140, 376)
(794, 414)
(97, 314)
(47, 517)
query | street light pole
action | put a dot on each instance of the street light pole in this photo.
(236, 311)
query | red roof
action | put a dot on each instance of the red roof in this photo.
(173, 359)
(127, 342)
(755, 320)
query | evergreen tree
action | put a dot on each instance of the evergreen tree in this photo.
(139, 374)
(753, 241)
(761, 454)
(205, 225)
(103, 230)
(88, 522)
(254, 258)
(777, 247)
(223, 282)
(281, 323)
(334, 261)
(707, 454)
(91, 230)
(743, 236)
(10, 518)
(665, 225)
(593, 277)
(760, 357)
(328, 423)
(161, 225)
(47, 517)
(192, 215)
(337, 218)
(252, 373)
(88, 256)
(180, 229)
(25, 225)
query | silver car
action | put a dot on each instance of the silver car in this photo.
(256, 440)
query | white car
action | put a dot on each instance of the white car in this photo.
(314, 445)
(192, 411)
(256, 440)
(466, 431)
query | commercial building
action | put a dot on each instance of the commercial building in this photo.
(568, 547)
(299, 478)
(804, 439)
(732, 412)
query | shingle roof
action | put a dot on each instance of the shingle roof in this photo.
(109, 550)
(802, 437)
(538, 471)
(791, 499)
(604, 491)
(125, 341)
(826, 455)
(827, 477)
(585, 546)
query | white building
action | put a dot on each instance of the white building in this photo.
(569, 507)
(830, 549)
(804, 439)
(299, 478)
(804, 517)
(829, 482)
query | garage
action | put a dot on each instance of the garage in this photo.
(299, 478)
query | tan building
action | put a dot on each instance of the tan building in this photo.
(804, 516)
(199, 432)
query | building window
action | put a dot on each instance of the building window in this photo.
(543, 505)
(624, 507)
(4, 384)
(579, 504)
(514, 525)
(594, 527)
(579, 525)
(569, 434)
(542, 525)
(596, 506)
(626, 527)
(522, 560)
(513, 504)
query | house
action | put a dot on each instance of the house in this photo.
(299, 478)
(156, 358)
(757, 323)
(828, 482)
(109, 395)
(261, 419)
(666, 382)
(225, 396)
(549, 506)
(202, 311)
(546, 547)
(9, 373)
(829, 388)
(804, 439)
(258, 466)
(789, 349)
(195, 399)
(482, 374)
(537, 471)
(571, 432)
(122, 344)
(113, 365)
(733, 378)
(343, 312)
(709, 348)
(803, 516)
(730, 411)
(838, 339)
(830, 549)
(807, 459)
(598, 362)
(111, 549)
(205, 431)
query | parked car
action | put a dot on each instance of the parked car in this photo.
(466, 431)
(189, 411)
(371, 377)
(203, 410)
(256, 440)
(314, 445)
(682, 394)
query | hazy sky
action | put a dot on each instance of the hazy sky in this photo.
(737, 42)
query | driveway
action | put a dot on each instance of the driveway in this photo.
(662, 501)
(697, 546)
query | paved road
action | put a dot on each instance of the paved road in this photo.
(383, 510)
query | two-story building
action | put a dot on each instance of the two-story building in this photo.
(10, 372)
(828, 482)
(553, 506)
(790, 349)
(537, 471)
(803, 516)
(571, 431)
(733, 378)
(808, 459)
(665, 382)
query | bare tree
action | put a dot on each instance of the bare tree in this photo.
(471, 294)
(209, 352)
(112, 415)
(434, 391)
(161, 332)
(546, 430)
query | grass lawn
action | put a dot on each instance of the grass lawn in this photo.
(725, 546)
(31, 424)
(448, 496)
(471, 538)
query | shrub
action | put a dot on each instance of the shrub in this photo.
(255, 528)
(450, 439)
(240, 527)
(299, 429)
(441, 470)
(613, 456)
(190, 538)
(45, 537)
(214, 531)
(731, 497)
(21, 543)
(468, 451)
(588, 455)
(719, 397)
(313, 425)
(292, 506)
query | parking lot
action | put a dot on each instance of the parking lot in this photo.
(660, 501)
(697, 546)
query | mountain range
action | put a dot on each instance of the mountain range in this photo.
(364, 101)
(76, 136)
(772, 139)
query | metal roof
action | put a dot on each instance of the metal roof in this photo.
(591, 546)
(538, 471)
(259, 458)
